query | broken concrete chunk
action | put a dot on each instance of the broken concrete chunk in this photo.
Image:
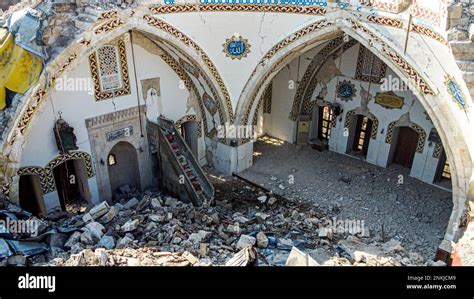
(99, 210)
(234, 229)
(87, 218)
(299, 258)
(96, 229)
(73, 239)
(132, 203)
(359, 251)
(109, 215)
(261, 217)
(191, 258)
(262, 240)
(125, 241)
(155, 203)
(245, 241)
(130, 225)
(16, 260)
(392, 246)
(107, 242)
(245, 257)
(86, 238)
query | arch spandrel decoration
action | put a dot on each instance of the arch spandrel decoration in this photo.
(421, 135)
(375, 121)
(50, 186)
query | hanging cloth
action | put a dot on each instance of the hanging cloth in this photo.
(19, 69)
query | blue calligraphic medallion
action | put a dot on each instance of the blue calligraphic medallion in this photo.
(236, 47)
(345, 90)
(455, 91)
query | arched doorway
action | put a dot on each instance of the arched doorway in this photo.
(70, 178)
(123, 168)
(360, 131)
(403, 147)
(189, 131)
(30, 194)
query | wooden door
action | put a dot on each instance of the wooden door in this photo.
(406, 147)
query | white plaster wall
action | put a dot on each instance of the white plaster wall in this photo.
(76, 106)
(263, 30)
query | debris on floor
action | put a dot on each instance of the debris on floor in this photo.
(241, 229)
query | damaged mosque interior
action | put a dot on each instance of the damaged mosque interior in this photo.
(357, 106)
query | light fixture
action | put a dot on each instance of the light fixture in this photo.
(111, 160)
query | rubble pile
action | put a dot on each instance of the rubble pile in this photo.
(155, 229)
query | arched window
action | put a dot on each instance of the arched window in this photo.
(109, 68)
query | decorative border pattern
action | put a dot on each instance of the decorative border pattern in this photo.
(186, 118)
(28, 114)
(385, 21)
(421, 135)
(108, 15)
(302, 102)
(283, 43)
(183, 75)
(375, 122)
(108, 25)
(360, 65)
(50, 185)
(162, 25)
(267, 99)
(94, 68)
(425, 13)
(402, 64)
(34, 170)
(428, 32)
(438, 150)
(180, 8)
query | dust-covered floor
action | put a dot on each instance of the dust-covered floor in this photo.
(410, 211)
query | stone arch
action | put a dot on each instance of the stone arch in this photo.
(375, 121)
(443, 112)
(421, 134)
(125, 169)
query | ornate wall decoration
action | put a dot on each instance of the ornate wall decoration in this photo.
(188, 82)
(370, 68)
(385, 21)
(186, 118)
(267, 99)
(236, 47)
(399, 61)
(301, 103)
(105, 67)
(438, 150)
(108, 15)
(209, 103)
(455, 91)
(162, 25)
(410, 71)
(28, 114)
(426, 14)
(38, 171)
(108, 25)
(428, 32)
(375, 122)
(389, 100)
(346, 90)
(181, 8)
(194, 71)
(50, 185)
(421, 135)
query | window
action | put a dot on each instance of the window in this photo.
(109, 69)
(446, 171)
(370, 68)
(362, 135)
(111, 160)
(326, 115)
